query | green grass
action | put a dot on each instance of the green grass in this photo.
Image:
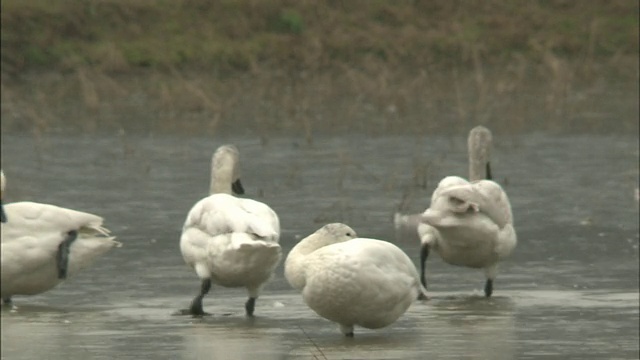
(235, 35)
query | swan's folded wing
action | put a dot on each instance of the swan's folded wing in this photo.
(28, 218)
(447, 183)
(261, 219)
(495, 203)
(224, 214)
(485, 196)
(28, 254)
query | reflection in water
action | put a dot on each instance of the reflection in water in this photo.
(463, 325)
(574, 275)
(227, 339)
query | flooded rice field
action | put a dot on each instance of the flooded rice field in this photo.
(570, 290)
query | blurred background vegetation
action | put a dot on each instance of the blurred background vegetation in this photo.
(305, 67)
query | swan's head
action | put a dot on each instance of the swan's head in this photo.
(225, 172)
(329, 234)
(454, 204)
(337, 232)
(451, 206)
(294, 267)
(3, 216)
(446, 183)
(479, 145)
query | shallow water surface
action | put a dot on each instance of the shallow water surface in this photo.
(570, 289)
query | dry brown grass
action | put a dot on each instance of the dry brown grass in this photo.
(306, 67)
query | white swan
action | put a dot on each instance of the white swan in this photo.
(350, 280)
(44, 244)
(230, 241)
(469, 223)
(479, 148)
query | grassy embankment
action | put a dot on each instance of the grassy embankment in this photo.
(304, 67)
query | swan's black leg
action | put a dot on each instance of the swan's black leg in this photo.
(488, 288)
(3, 215)
(196, 304)
(250, 306)
(488, 167)
(424, 254)
(62, 258)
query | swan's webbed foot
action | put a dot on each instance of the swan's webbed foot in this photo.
(7, 301)
(196, 309)
(488, 288)
(250, 305)
(62, 258)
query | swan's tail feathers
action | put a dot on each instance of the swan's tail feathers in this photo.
(95, 228)
(87, 249)
(260, 244)
(102, 230)
(116, 244)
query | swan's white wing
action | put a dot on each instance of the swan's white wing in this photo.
(224, 214)
(446, 183)
(361, 281)
(28, 254)
(29, 218)
(496, 203)
(261, 219)
(507, 241)
(29, 266)
(484, 196)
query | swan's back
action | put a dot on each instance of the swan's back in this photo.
(221, 213)
(473, 223)
(30, 218)
(486, 196)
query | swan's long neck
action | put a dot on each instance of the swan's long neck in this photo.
(479, 144)
(223, 169)
(2, 183)
(295, 263)
(221, 180)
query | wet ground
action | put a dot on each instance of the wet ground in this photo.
(570, 290)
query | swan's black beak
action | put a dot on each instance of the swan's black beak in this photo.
(3, 215)
(424, 254)
(489, 177)
(237, 188)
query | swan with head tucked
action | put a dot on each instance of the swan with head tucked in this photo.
(350, 280)
(230, 241)
(479, 148)
(469, 223)
(44, 244)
